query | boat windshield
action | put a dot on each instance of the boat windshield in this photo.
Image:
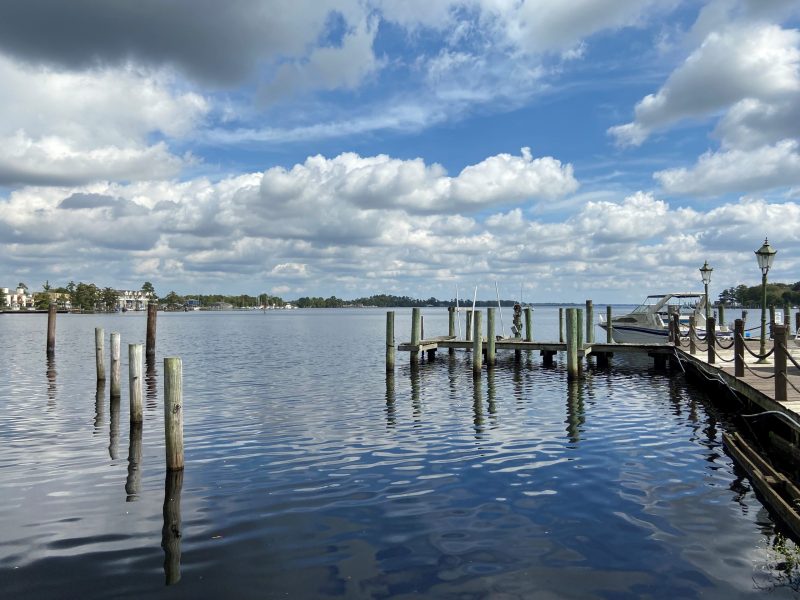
(665, 303)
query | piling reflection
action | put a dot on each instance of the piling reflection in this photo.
(575, 413)
(516, 380)
(151, 382)
(477, 407)
(491, 394)
(134, 481)
(391, 417)
(171, 531)
(416, 406)
(99, 406)
(51, 380)
(113, 429)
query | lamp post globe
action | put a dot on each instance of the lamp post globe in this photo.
(765, 256)
(705, 273)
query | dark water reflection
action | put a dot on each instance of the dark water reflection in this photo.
(310, 473)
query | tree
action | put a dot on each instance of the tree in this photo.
(148, 289)
(173, 299)
(109, 298)
(85, 296)
(46, 285)
(41, 301)
(23, 286)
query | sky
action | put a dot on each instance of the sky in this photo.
(565, 149)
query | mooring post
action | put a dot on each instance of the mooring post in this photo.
(99, 352)
(572, 343)
(561, 325)
(468, 328)
(721, 308)
(528, 324)
(711, 339)
(579, 323)
(787, 314)
(451, 325)
(115, 364)
(490, 349)
(152, 313)
(771, 319)
(390, 350)
(416, 332)
(676, 328)
(51, 329)
(589, 322)
(135, 381)
(692, 333)
(779, 335)
(609, 326)
(738, 347)
(477, 344)
(173, 412)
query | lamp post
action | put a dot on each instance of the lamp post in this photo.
(705, 272)
(764, 255)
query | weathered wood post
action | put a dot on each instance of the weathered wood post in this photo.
(609, 326)
(490, 348)
(152, 313)
(451, 325)
(711, 339)
(787, 314)
(135, 381)
(572, 344)
(561, 325)
(468, 329)
(477, 344)
(779, 335)
(738, 347)
(99, 352)
(390, 349)
(721, 308)
(51, 329)
(589, 322)
(528, 324)
(579, 323)
(171, 530)
(692, 334)
(173, 412)
(416, 335)
(115, 364)
(676, 328)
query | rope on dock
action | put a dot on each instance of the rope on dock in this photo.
(724, 347)
(770, 376)
(758, 356)
(727, 360)
(789, 356)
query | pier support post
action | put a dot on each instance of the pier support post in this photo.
(579, 324)
(721, 308)
(451, 325)
(115, 364)
(528, 324)
(711, 339)
(477, 344)
(779, 335)
(99, 351)
(572, 344)
(468, 328)
(51, 329)
(692, 334)
(609, 326)
(561, 325)
(490, 349)
(738, 347)
(173, 412)
(676, 329)
(152, 313)
(390, 350)
(416, 332)
(589, 322)
(135, 381)
(787, 314)
(547, 357)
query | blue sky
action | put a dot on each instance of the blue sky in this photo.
(596, 149)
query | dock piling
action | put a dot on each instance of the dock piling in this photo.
(115, 364)
(692, 334)
(609, 326)
(173, 412)
(51, 329)
(490, 339)
(711, 339)
(152, 313)
(579, 324)
(468, 328)
(99, 351)
(572, 343)
(390, 349)
(528, 324)
(738, 347)
(416, 332)
(135, 381)
(477, 344)
(589, 322)
(451, 324)
(779, 333)
(721, 308)
(560, 325)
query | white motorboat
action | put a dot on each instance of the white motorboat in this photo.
(649, 322)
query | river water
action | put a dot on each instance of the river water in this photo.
(309, 474)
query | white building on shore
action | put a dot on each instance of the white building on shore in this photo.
(18, 299)
(132, 300)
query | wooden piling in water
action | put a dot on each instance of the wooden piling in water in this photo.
(390, 348)
(135, 381)
(711, 339)
(561, 325)
(152, 313)
(416, 332)
(738, 347)
(173, 412)
(589, 322)
(477, 344)
(99, 351)
(115, 364)
(579, 324)
(51, 329)
(490, 339)
(468, 328)
(572, 343)
(609, 326)
(528, 324)
(451, 325)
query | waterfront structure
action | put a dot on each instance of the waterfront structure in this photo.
(18, 299)
(132, 300)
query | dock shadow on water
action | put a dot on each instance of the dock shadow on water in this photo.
(171, 531)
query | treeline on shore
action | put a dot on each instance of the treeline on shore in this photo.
(778, 294)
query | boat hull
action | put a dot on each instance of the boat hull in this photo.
(627, 334)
